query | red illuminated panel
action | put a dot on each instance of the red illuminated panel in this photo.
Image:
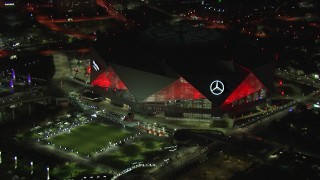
(178, 90)
(88, 69)
(114, 79)
(109, 79)
(249, 85)
(102, 81)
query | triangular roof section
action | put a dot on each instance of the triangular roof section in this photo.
(200, 73)
(249, 85)
(97, 65)
(141, 84)
(102, 80)
(115, 79)
(109, 79)
(178, 90)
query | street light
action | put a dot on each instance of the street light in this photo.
(15, 162)
(31, 165)
(48, 173)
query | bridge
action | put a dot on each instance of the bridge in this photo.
(18, 99)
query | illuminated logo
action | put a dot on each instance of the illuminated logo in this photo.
(216, 87)
(95, 66)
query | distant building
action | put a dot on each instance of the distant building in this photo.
(75, 6)
(6, 4)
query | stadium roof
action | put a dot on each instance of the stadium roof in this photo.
(149, 60)
(176, 45)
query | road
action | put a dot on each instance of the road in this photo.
(48, 22)
(301, 79)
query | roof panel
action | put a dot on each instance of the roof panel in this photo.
(141, 83)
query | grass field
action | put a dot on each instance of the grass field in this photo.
(91, 137)
(144, 149)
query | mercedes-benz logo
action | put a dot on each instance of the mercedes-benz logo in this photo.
(216, 87)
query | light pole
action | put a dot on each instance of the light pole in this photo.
(48, 173)
(0, 158)
(15, 162)
(31, 165)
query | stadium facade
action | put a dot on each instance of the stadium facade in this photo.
(156, 71)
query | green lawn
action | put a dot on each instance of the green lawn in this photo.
(91, 137)
(144, 149)
(72, 169)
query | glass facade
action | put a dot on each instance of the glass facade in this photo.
(178, 90)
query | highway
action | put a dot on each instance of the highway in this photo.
(22, 97)
(301, 79)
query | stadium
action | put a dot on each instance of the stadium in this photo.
(182, 71)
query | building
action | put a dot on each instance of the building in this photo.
(75, 6)
(181, 71)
